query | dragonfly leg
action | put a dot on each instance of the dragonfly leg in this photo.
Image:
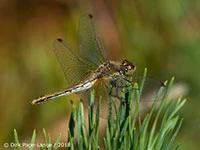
(119, 87)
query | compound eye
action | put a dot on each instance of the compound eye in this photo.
(124, 63)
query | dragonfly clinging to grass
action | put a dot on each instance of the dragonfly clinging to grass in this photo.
(88, 67)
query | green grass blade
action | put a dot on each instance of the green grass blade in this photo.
(81, 127)
(32, 144)
(70, 141)
(97, 124)
(72, 120)
(49, 142)
(174, 136)
(16, 140)
(57, 142)
(91, 112)
(45, 135)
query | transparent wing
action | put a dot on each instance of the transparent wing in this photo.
(122, 86)
(115, 88)
(150, 88)
(74, 66)
(89, 42)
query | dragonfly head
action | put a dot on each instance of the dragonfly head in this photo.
(127, 67)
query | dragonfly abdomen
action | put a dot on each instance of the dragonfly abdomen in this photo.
(75, 89)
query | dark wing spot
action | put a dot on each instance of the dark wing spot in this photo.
(90, 16)
(162, 84)
(59, 40)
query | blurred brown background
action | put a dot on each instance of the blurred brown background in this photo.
(162, 35)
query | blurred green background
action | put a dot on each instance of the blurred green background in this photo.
(162, 35)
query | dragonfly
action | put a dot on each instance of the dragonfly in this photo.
(89, 68)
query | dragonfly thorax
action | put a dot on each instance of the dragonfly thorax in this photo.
(112, 69)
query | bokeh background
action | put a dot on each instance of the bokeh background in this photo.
(162, 35)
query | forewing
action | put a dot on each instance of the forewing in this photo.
(74, 66)
(89, 42)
